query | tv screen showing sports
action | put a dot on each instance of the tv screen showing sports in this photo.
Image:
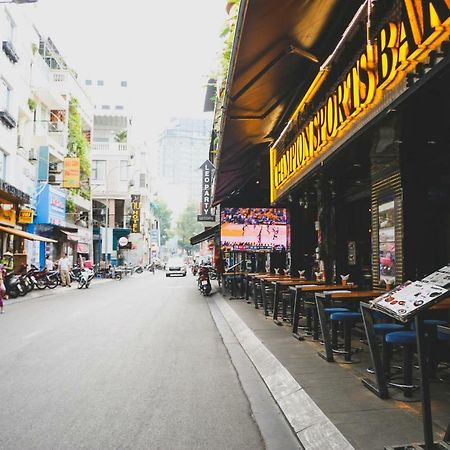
(254, 229)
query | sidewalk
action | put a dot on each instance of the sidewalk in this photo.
(325, 403)
(59, 290)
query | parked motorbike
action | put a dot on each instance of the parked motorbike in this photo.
(13, 286)
(53, 279)
(138, 269)
(85, 277)
(203, 281)
(38, 277)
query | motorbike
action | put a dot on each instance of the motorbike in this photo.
(53, 279)
(204, 283)
(13, 286)
(138, 269)
(38, 277)
(85, 277)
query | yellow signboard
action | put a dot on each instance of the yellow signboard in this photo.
(26, 216)
(71, 178)
(7, 213)
(396, 51)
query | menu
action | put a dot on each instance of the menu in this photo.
(407, 299)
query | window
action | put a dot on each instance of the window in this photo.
(2, 165)
(100, 83)
(106, 107)
(123, 170)
(142, 180)
(124, 83)
(88, 82)
(5, 95)
(119, 107)
(98, 170)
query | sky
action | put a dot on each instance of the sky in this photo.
(165, 49)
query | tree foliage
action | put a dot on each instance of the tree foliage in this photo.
(121, 136)
(187, 226)
(78, 147)
(164, 216)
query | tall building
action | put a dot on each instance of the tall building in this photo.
(182, 148)
(119, 174)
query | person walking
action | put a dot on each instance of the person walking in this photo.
(64, 267)
(2, 288)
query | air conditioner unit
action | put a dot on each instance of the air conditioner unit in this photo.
(131, 183)
(53, 167)
(32, 156)
(52, 179)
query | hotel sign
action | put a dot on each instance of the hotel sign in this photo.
(395, 52)
(135, 213)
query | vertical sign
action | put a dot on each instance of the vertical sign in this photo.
(135, 213)
(43, 163)
(71, 173)
(207, 176)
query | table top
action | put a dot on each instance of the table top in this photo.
(355, 295)
(233, 273)
(296, 282)
(324, 287)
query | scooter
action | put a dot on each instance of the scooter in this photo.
(85, 277)
(203, 281)
(13, 286)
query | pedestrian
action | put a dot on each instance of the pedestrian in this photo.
(64, 267)
(49, 265)
(2, 288)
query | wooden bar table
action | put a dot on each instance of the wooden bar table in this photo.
(284, 284)
(300, 292)
(328, 297)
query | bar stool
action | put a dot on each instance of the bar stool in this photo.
(407, 340)
(381, 329)
(334, 328)
(348, 319)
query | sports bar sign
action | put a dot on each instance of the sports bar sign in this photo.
(395, 52)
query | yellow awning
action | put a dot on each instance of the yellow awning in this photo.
(25, 235)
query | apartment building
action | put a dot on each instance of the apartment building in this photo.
(37, 89)
(120, 177)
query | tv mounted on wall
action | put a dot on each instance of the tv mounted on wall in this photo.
(254, 229)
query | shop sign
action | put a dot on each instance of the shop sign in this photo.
(7, 213)
(50, 205)
(26, 216)
(123, 241)
(135, 213)
(71, 178)
(395, 52)
(12, 190)
(207, 174)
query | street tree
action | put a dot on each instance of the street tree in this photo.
(187, 226)
(164, 216)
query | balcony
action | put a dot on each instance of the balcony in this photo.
(7, 119)
(109, 147)
(8, 48)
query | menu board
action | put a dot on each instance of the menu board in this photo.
(407, 299)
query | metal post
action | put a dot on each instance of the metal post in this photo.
(106, 231)
(424, 384)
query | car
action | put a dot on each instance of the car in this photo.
(176, 267)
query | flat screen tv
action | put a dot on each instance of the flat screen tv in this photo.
(254, 229)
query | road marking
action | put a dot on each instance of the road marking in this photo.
(32, 335)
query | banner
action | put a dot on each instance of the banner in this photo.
(135, 213)
(207, 175)
(26, 216)
(71, 173)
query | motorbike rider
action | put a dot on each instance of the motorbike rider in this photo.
(7, 261)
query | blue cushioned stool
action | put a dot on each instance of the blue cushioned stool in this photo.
(348, 318)
(381, 329)
(406, 339)
(334, 329)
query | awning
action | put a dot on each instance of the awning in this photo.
(278, 50)
(207, 234)
(83, 248)
(25, 235)
(70, 236)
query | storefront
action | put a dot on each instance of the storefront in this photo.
(50, 222)
(349, 120)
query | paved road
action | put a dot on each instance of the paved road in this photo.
(136, 364)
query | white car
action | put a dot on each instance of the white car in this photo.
(176, 267)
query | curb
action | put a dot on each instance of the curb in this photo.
(313, 428)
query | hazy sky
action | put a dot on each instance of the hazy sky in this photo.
(166, 49)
